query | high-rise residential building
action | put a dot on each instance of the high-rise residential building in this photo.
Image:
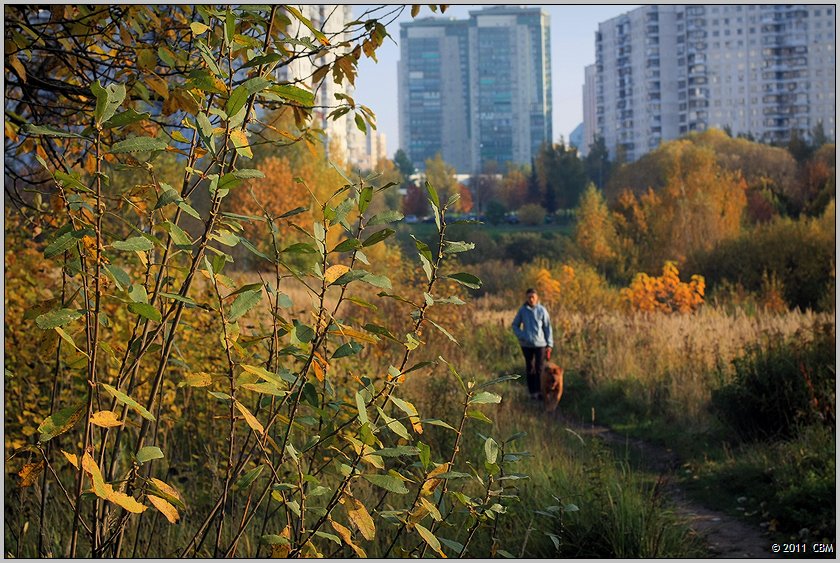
(434, 101)
(476, 90)
(344, 141)
(589, 109)
(759, 70)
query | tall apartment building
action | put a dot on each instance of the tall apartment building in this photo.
(476, 90)
(664, 71)
(590, 111)
(434, 100)
(344, 140)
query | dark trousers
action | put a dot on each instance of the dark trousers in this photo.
(534, 362)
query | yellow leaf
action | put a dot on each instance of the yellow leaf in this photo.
(430, 539)
(16, 64)
(167, 489)
(127, 502)
(281, 550)
(30, 472)
(335, 272)
(158, 84)
(345, 535)
(72, 458)
(100, 487)
(198, 28)
(240, 142)
(360, 517)
(250, 418)
(431, 483)
(199, 379)
(106, 419)
(167, 509)
(353, 333)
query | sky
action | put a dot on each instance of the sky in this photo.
(573, 30)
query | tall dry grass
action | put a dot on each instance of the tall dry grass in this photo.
(671, 363)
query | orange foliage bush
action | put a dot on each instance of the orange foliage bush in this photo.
(666, 294)
(573, 287)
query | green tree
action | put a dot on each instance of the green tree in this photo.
(562, 176)
(597, 163)
(404, 164)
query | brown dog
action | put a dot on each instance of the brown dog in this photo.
(551, 383)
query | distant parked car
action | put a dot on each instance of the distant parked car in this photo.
(428, 219)
(511, 218)
(411, 219)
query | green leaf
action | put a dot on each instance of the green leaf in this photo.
(377, 281)
(468, 280)
(58, 317)
(148, 453)
(478, 415)
(455, 546)
(245, 481)
(119, 276)
(60, 422)
(438, 422)
(246, 173)
(388, 482)
(65, 242)
(360, 407)
(125, 118)
(378, 236)
(385, 217)
(139, 144)
(137, 293)
(244, 303)
(364, 198)
(491, 450)
(134, 244)
(239, 96)
(347, 349)
(126, 400)
(179, 237)
(443, 331)
(47, 131)
(453, 247)
(290, 93)
(146, 311)
(168, 195)
(393, 425)
(303, 332)
(485, 397)
(108, 99)
(498, 380)
(397, 451)
(347, 245)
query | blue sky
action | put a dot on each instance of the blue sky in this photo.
(572, 48)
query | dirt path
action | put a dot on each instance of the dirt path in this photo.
(725, 536)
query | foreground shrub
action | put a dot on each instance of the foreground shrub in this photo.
(780, 386)
(799, 254)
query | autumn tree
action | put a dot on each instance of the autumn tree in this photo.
(442, 176)
(697, 204)
(595, 232)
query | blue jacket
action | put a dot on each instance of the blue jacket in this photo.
(532, 327)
